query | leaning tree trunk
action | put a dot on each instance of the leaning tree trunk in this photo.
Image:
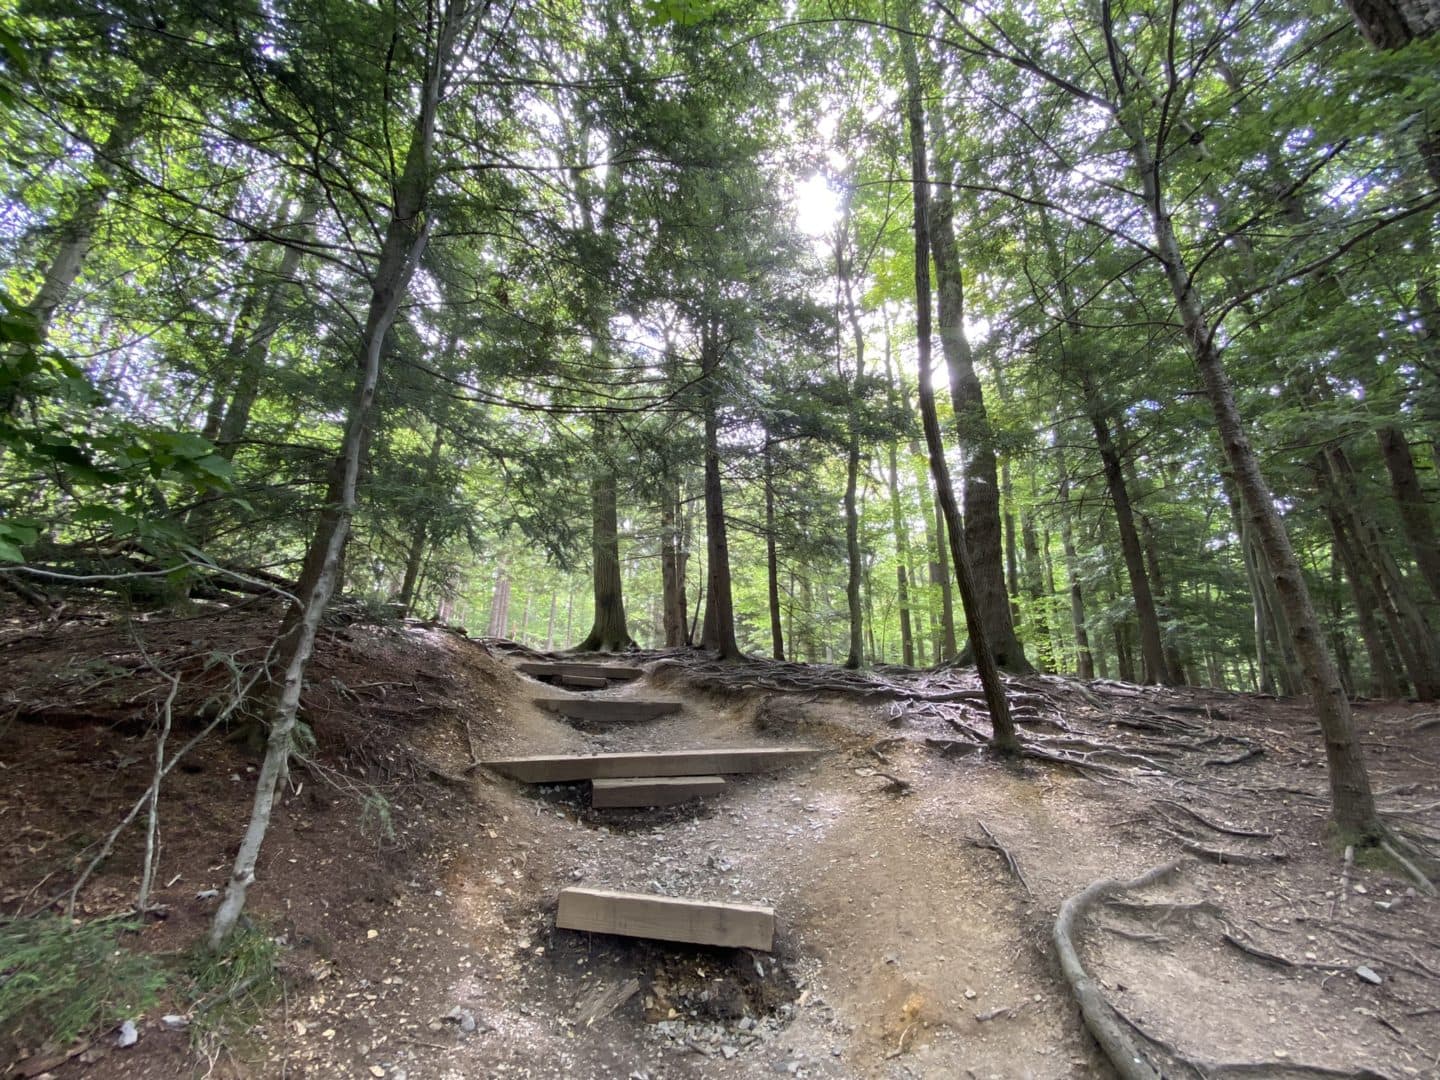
(1003, 735)
(405, 239)
(972, 421)
(1353, 803)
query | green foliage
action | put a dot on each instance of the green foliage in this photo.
(61, 980)
(230, 990)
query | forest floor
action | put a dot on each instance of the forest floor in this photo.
(418, 935)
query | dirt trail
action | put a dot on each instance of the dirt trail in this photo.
(904, 949)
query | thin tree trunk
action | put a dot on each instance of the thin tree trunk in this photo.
(405, 239)
(1353, 804)
(550, 624)
(1084, 662)
(982, 521)
(1003, 734)
(942, 622)
(772, 561)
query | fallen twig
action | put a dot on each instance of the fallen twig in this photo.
(1422, 882)
(994, 845)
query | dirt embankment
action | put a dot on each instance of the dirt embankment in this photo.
(415, 900)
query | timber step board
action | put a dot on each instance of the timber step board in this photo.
(583, 682)
(607, 708)
(555, 669)
(652, 790)
(565, 768)
(667, 918)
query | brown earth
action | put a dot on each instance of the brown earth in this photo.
(906, 946)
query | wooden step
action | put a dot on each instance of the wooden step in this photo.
(564, 768)
(583, 682)
(652, 790)
(554, 669)
(607, 709)
(667, 918)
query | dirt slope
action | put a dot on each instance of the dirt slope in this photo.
(905, 949)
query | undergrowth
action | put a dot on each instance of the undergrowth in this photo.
(230, 990)
(60, 980)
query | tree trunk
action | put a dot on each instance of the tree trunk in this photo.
(1384, 683)
(672, 574)
(772, 562)
(405, 239)
(1353, 804)
(942, 628)
(718, 634)
(550, 624)
(1414, 512)
(499, 603)
(608, 632)
(77, 233)
(1151, 647)
(417, 542)
(1003, 734)
(1084, 662)
(981, 490)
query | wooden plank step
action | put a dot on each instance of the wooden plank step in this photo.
(553, 669)
(607, 708)
(563, 768)
(652, 790)
(583, 682)
(667, 918)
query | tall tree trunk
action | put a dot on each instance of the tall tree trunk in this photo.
(1384, 683)
(981, 490)
(1353, 804)
(718, 634)
(1003, 734)
(1084, 662)
(416, 556)
(1151, 647)
(852, 452)
(1414, 512)
(672, 567)
(772, 561)
(405, 238)
(942, 622)
(550, 623)
(1035, 590)
(608, 632)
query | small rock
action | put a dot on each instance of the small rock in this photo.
(207, 894)
(128, 1035)
(1361, 889)
(376, 1070)
(969, 994)
(175, 1022)
(1282, 1053)
(727, 1052)
(1366, 974)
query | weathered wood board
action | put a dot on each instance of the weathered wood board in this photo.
(667, 918)
(652, 790)
(563, 768)
(615, 709)
(583, 682)
(554, 669)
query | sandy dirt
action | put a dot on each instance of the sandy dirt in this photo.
(907, 947)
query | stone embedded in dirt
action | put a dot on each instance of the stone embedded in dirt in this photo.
(175, 1022)
(463, 1017)
(1367, 974)
(207, 894)
(128, 1035)
(728, 1052)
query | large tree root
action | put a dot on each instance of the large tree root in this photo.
(1119, 1039)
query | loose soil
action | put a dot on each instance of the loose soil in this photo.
(907, 946)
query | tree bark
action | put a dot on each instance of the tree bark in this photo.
(608, 632)
(406, 235)
(1003, 735)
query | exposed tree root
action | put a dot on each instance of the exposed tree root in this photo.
(1216, 826)
(1422, 882)
(1117, 1037)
